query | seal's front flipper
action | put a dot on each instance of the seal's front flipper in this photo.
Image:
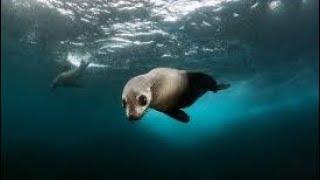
(178, 115)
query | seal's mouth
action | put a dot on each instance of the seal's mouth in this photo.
(52, 86)
(133, 120)
(136, 117)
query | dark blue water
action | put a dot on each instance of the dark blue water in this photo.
(265, 126)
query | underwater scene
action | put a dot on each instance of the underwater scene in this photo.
(76, 99)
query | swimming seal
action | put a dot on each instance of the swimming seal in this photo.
(166, 90)
(70, 77)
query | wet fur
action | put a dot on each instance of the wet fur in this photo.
(173, 89)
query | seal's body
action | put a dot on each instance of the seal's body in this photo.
(70, 77)
(166, 90)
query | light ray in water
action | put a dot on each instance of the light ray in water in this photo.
(75, 60)
(214, 114)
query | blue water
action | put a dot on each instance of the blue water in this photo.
(265, 126)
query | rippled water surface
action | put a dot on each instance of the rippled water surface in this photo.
(263, 127)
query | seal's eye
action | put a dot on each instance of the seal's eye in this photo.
(124, 103)
(142, 100)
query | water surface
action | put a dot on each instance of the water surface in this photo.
(263, 127)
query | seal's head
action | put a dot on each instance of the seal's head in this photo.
(54, 85)
(136, 97)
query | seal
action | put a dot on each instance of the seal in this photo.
(166, 90)
(70, 77)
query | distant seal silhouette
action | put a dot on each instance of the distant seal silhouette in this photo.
(70, 77)
(166, 90)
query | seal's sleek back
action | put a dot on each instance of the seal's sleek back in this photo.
(166, 90)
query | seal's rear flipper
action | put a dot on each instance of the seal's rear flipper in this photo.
(203, 81)
(178, 115)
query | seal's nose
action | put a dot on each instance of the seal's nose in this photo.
(52, 86)
(132, 117)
